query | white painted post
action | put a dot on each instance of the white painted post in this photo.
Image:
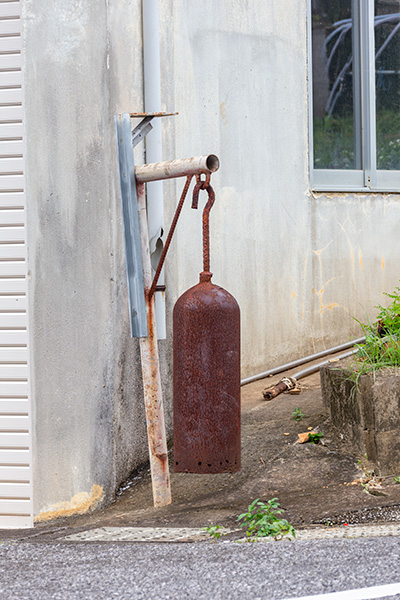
(156, 435)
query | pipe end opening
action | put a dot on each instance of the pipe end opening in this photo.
(212, 163)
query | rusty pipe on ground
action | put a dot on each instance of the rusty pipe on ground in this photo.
(290, 383)
(182, 167)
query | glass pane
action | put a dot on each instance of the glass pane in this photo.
(387, 79)
(337, 143)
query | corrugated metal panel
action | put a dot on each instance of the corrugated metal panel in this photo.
(16, 303)
(9, 389)
(10, 183)
(13, 338)
(11, 164)
(15, 507)
(13, 371)
(9, 9)
(10, 113)
(10, 96)
(10, 44)
(15, 521)
(11, 131)
(10, 78)
(11, 406)
(13, 217)
(11, 147)
(10, 26)
(10, 251)
(15, 421)
(12, 234)
(15, 456)
(10, 474)
(12, 199)
(12, 268)
(10, 62)
(12, 286)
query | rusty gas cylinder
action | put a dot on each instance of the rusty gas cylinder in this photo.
(206, 337)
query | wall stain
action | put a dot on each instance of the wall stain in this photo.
(383, 264)
(222, 110)
(321, 304)
(319, 294)
(319, 252)
(78, 505)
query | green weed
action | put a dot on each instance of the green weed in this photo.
(396, 479)
(315, 438)
(297, 415)
(262, 520)
(381, 348)
(214, 531)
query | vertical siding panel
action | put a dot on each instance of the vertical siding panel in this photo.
(16, 507)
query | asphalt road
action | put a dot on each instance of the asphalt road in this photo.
(216, 570)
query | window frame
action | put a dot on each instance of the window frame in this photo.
(369, 178)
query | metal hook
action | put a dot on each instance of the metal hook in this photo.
(202, 184)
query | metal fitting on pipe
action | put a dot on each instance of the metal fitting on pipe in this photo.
(288, 383)
(182, 167)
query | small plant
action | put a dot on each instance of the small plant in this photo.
(396, 479)
(214, 531)
(297, 415)
(262, 520)
(328, 523)
(381, 348)
(364, 465)
(315, 438)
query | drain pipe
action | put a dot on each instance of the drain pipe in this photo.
(152, 103)
(302, 361)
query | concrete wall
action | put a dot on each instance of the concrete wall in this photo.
(299, 264)
(83, 64)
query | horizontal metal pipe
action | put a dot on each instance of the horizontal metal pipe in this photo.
(315, 368)
(182, 167)
(284, 384)
(302, 361)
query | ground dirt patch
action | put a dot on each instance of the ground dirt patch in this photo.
(312, 482)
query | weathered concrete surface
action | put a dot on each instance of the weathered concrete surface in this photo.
(312, 482)
(82, 65)
(368, 414)
(299, 263)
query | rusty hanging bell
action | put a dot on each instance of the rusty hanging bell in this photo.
(206, 338)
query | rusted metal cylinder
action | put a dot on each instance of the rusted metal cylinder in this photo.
(206, 336)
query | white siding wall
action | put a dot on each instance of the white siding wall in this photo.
(15, 435)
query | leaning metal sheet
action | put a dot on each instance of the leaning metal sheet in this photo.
(137, 306)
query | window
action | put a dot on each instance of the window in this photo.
(355, 108)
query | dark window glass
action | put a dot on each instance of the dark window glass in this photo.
(335, 127)
(387, 79)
